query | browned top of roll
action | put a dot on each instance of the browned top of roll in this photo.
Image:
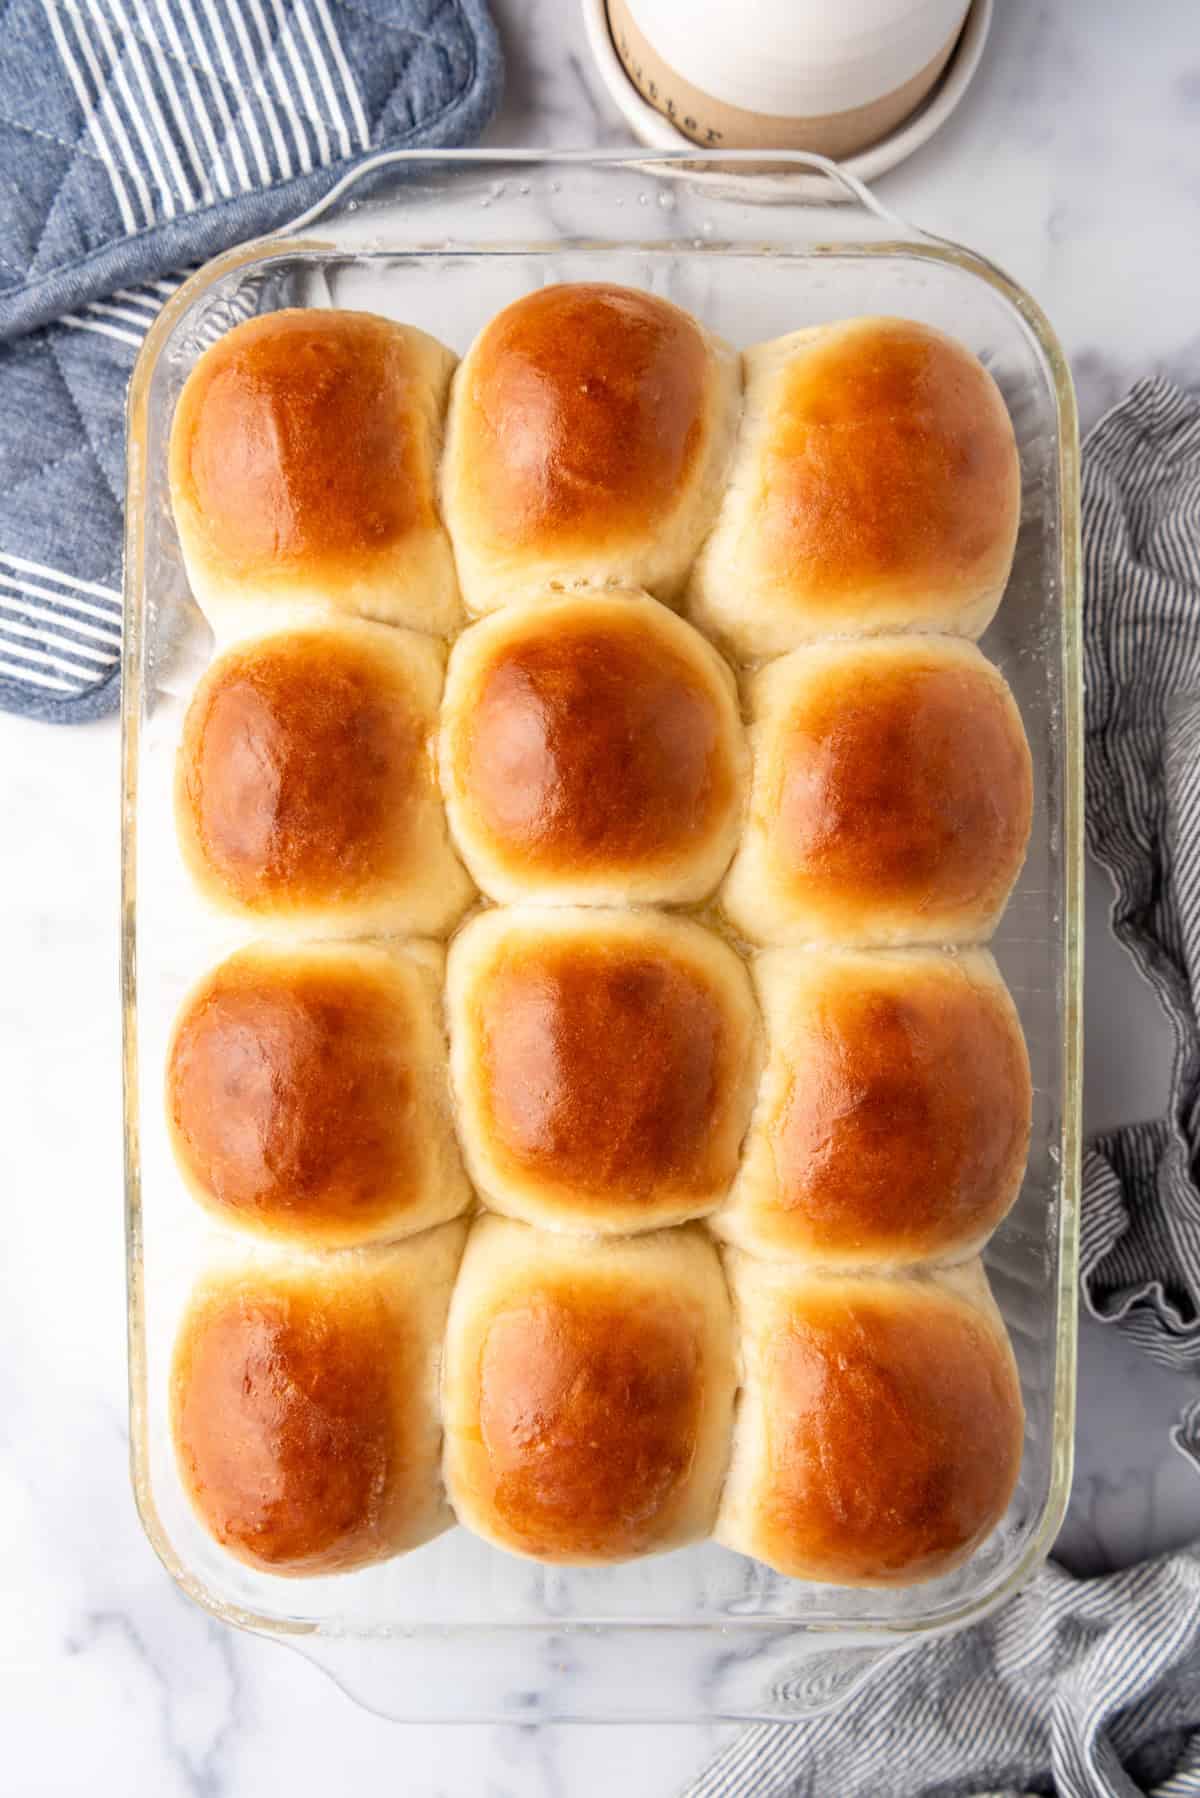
(595, 744)
(298, 441)
(903, 784)
(603, 1067)
(301, 760)
(905, 1123)
(284, 1422)
(893, 1433)
(590, 1406)
(585, 407)
(291, 1091)
(891, 459)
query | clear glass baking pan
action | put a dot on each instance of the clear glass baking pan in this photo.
(458, 1630)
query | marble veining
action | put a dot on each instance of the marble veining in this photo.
(1072, 164)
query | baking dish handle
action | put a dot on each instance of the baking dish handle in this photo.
(857, 191)
(853, 190)
(603, 1672)
(782, 163)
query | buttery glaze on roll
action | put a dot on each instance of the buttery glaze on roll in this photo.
(879, 1429)
(875, 487)
(303, 463)
(891, 796)
(603, 1064)
(893, 1118)
(307, 1093)
(306, 795)
(587, 1392)
(588, 436)
(592, 750)
(304, 1404)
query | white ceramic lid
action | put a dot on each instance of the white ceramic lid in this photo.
(651, 128)
(797, 58)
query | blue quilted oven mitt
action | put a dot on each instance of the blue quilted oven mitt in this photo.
(137, 139)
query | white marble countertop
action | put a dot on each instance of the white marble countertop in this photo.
(1072, 163)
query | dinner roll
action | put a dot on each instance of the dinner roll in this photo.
(587, 1391)
(592, 750)
(303, 461)
(603, 1064)
(587, 442)
(875, 486)
(891, 796)
(307, 1093)
(306, 792)
(304, 1403)
(879, 1430)
(893, 1118)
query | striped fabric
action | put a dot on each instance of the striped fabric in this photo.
(140, 135)
(58, 634)
(1080, 1688)
(1086, 1689)
(192, 101)
(137, 139)
(127, 315)
(1141, 1228)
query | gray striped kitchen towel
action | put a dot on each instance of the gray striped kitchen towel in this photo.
(137, 139)
(1086, 1688)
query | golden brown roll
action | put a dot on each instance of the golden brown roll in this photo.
(588, 436)
(303, 463)
(306, 794)
(587, 1391)
(890, 800)
(875, 486)
(308, 1097)
(603, 1065)
(879, 1430)
(591, 751)
(304, 1404)
(893, 1117)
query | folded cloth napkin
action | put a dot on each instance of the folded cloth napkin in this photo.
(138, 138)
(1086, 1688)
(1141, 1219)
(1083, 1688)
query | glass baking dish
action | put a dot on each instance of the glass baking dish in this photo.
(458, 1630)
